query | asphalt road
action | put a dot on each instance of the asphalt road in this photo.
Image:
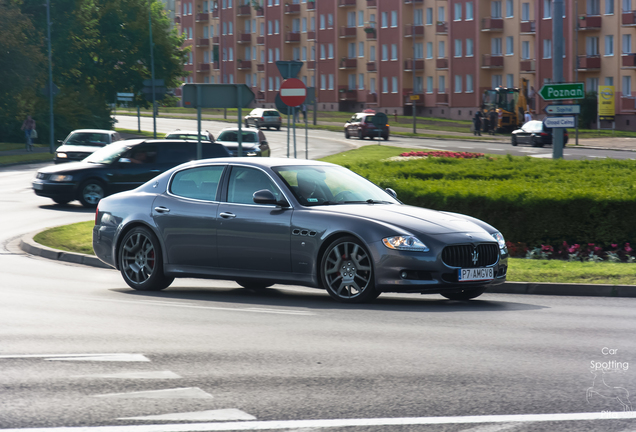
(78, 349)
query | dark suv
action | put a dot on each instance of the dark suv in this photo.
(361, 126)
(120, 166)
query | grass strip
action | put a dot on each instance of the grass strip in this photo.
(77, 237)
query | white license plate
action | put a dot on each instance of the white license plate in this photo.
(38, 186)
(475, 274)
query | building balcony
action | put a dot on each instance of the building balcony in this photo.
(588, 63)
(372, 33)
(628, 103)
(628, 18)
(441, 98)
(260, 40)
(244, 10)
(215, 13)
(177, 20)
(413, 30)
(244, 64)
(311, 5)
(311, 35)
(347, 94)
(292, 8)
(629, 60)
(528, 27)
(409, 63)
(413, 1)
(589, 22)
(260, 12)
(244, 38)
(491, 24)
(492, 61)
(311, 65)
(441, 63)
(216, 65)
(348, 63)
(292, 37)
(346, 3)
(348, 32)
(203, 67)
(260, 67)
(372, 3)
(260, 95)
(371, 67)
(216, 40)
(202, 17)
(528, 66)
(441, 27)
(203, 42)
(372, 98)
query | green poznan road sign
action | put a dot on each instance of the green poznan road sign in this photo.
(550, 92)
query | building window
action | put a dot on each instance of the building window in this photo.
(394, 54)
(394, 18)
(330, 51)
(627, 44)
(372, 86)
(419, 84)
(469, 11)
(525, 11)
(609, 7)
(384, 20)
(329, 20)
(593, 7)
(323, 82)
(592, 84)
(591, 46)
(627, 86)
(469, 84)
(495, 46)
(429, 84)
(429, 50)
(469, 48)
(547, 9)
(458, 12)
(441, 49)
(496, 81)
(441, 84)
(609, 45)
(322, 22)
(277, 54)
(509, 45)
(627, 5)
(609, 81)
(394, 86)
(495, 9)
(323, 54)
(276, 27)
(441, 14)
(271, 84)
(547, 48)
(360, 49)
(385, 85)
(360, 18)
(360, 81)
(330, 82)
(429, 16)
(458, 47)
(458, 83)
(418, 18)
(385, 52)
(525, 50)
(372, 53)
(510, 80)
(418, 51)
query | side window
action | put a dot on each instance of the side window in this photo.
(214, 151)
(176, 153)
(245, 181)
(143, 154)
(261, 136)
(197, 183)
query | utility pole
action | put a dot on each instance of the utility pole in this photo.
(152, 72)
(413, 66)
(557, 69)
(51, 118)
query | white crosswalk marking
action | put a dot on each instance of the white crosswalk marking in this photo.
(135, 375)
(176, 393)
(116, 357)
(211, 415)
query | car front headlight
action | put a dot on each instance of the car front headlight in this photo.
(500, 239)
(405, 243)
(61, 178)
(61, 155)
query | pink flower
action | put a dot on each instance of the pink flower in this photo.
(614, 245)
(628, 249)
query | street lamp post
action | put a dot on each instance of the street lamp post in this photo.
(48, 36)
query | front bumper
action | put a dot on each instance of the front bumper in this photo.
(57, 190)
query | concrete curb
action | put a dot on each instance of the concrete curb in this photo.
(28, 245)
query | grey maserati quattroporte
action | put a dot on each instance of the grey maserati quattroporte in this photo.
(265, 221)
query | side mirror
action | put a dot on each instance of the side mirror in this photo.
(347, 122)
(265, 196)
(60, 141)
(264, 143)
(391, 192)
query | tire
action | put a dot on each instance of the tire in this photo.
(385, 137)
(513, 141)
(254, 285)
(465, 294)
(536, 143)
(278, 128)
(60, 201)
(346, 271)
(360, 135)
(247, 124)
(91, 192)
(347, 136)
(141, 261)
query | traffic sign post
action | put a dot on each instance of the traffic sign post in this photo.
(563, 109)
(550, 92)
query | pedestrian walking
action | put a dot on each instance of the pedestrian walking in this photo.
(527, 117)
(477, 123)
(303, 107)
(28, 127)
(493, 119)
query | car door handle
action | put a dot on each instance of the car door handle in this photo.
(226, 215)
(162, 209)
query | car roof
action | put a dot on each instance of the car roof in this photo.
(267, 162)
(94, 131)
(250, 129)
(187, 132)
(136, 141)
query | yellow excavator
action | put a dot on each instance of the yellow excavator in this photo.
(509, 103)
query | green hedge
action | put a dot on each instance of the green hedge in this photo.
(534, 201)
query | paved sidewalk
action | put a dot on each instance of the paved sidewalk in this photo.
(28, 245)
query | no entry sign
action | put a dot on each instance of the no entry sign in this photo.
(293, 92)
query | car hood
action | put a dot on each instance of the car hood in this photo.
(70, 166)
(414, 219)
(77, 148)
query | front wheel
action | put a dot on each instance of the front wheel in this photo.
(360, 134)
(465, 294)
(347, 136)
(347, 272)
(140, 261)
(514, 141)
(537, 142)
(91, 192)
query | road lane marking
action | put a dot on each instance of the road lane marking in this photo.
(176, 393)
(210, 415)
(135, 375)
(331, 423)
(118, 357)
(193, 306)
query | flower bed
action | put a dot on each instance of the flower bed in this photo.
(448, 154)
(589, 252)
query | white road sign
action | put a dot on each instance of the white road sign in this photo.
(563, 109)
(560, 122)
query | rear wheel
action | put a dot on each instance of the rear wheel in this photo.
(140, 261)
(386, 137)
(347, 136)
(465, 294)
(91, 192)
(513, 141)
(61, 201)
(347, 271)
(536, 142)
(360, 134)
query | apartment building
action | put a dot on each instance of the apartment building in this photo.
(392, 55)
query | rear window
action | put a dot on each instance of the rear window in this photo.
(232, 136)
(271, 113)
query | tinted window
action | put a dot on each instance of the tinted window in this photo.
(142, 154)
(232, 136)
(178, 152)
(271, 113)
(197, 183)
(245, 181)
(88, 139)
(214, 151)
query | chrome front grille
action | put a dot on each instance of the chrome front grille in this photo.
(464, 255)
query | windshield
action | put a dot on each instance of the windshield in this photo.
(109, 154)
(88, 139)
(326, 185)
(186, 135)
(232, 136)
